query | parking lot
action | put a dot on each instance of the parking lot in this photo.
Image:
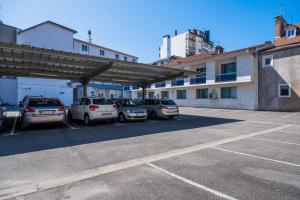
(202, 154)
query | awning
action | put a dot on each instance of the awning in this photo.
(28, 61)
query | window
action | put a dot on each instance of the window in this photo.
(284, 90)
(202, 93)
(125, 58)
(102, 52)
(151, 95)
(165, 94)
(229, 92)
(84, 47)
(268, 61)
(117, 56)
(133, 60)
(181, 94)
(290, 33)
(228, 68)
(202, 71)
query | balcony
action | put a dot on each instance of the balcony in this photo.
(178, 82)
(198, 80)
(134, 87)
(160, 85)
(226, 77)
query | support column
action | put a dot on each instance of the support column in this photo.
(84, 87)
(144, 91)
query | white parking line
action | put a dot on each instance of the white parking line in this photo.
(72, 127)
(210, 190)
(277, 141)
(288, 115)
(288, 132)
(254, 156)
(14, 124)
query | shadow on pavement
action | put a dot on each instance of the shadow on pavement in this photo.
(37, 139)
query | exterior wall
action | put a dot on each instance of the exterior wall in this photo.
(245, 83)
(9, 90)
(54, 88)
(165, 48)
(94, 50)
(285, 70)
(178, 45)
(7, 34)
(47, 36)
(96, 92)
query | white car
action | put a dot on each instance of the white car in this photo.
(91, 109)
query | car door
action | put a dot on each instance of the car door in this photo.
(83, 108)
(75, 109)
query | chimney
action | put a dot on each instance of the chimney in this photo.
(280, 24)
(219, 49)
(175, 33)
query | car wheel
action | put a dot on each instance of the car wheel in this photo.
(87, 120)
(122, 117)
(153, 115)
(171, 117)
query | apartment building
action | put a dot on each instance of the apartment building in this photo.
(225, 80)
(192, 42)
(55, 36)
(262, 77)
(279, 69)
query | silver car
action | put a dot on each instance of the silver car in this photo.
(160, 108)
(2, 116)
(38, 110)
(128, 110)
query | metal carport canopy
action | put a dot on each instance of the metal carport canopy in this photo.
(28, 61)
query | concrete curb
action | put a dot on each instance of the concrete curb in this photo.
(86, 174)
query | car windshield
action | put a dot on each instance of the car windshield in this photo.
(103, 101)
(44, 103)
(128, 103)
(168, 102)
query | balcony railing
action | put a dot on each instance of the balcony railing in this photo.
(226, 77)
(178, 82)
(160, 85)
(198, 80)
(134, 87)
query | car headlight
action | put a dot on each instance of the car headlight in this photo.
(129, 111)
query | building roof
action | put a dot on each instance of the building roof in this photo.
(287, 41)
(212, 55)
(49, 22)
(29, 61)
(105, 48)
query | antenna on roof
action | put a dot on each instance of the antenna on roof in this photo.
(281, 10)
(90, 36)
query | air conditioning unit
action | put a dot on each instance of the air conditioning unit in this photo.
(213, 95)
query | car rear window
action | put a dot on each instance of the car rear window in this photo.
(103, 101)
(168, 102)
(44, 102)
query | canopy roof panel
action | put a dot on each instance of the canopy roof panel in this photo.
(28, 61)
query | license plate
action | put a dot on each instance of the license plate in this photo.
(105, 114)
(46, 112)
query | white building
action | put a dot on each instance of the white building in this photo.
(226, 80)
(51, 35)
(192, 42)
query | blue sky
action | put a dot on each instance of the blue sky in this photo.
(137, 26)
